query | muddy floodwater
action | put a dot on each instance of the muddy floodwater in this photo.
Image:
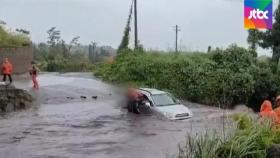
(63, 125)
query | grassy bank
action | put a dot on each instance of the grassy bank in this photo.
(222, 77)
(12, 39)
(251, 139)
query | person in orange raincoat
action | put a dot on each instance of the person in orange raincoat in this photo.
(277, 110)
(134, 98)
(7, 69)
(267, 112)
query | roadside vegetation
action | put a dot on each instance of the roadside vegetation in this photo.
(251, 139)
(13, 39)
(58, 56)
(223, 77)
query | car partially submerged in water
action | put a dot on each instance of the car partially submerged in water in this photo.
(165, 104)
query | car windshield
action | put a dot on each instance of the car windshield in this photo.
(163, 100)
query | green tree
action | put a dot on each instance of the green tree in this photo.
(54, 36)
(253, 39)
(269, 39)
(73, 42)
(12, 39)
(23, 31)
(40, 51)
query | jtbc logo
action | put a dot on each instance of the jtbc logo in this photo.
(258, 14)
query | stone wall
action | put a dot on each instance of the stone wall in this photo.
(20, 57)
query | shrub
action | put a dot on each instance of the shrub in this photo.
(223, 77)
(266, 85)
(59, 63)
(232, 80)
(12, 39)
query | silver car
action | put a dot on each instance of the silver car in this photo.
(165, 104)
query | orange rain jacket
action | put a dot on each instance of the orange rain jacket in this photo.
(277, 110)
(133, 94)
(7, 68)
(267, 111)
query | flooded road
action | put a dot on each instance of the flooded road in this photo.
(63, 127)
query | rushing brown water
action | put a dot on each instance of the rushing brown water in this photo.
(62, 127)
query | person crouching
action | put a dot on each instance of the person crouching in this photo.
(267, 113)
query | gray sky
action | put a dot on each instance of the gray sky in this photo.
(203, 22)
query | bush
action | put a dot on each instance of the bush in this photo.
(232, 82)
(12, 39)
(223, 77)
(59, 63)
(266, 84)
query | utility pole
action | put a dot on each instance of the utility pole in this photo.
(176, 40)
(135, 24)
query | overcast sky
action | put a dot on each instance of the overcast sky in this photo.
(217, 22)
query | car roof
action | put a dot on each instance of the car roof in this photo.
(152, 91)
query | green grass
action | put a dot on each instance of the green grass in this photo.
(250, 140)
(12, 39)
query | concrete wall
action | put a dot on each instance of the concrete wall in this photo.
(20, 57)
